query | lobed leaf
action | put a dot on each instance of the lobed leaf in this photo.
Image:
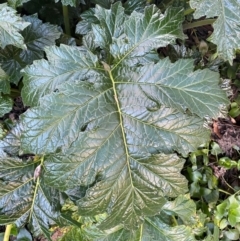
(10, 26)
(24, 201)
(37, 36)
(111, 121)
(65, 64)
(226, 27)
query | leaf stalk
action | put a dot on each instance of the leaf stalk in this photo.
(7, 232)
(66, 20)
(198, 23)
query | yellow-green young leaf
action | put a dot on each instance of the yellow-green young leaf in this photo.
(226, 27)
(112, 120)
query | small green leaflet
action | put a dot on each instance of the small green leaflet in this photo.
(4, 82)
(226, 28)
(10, 26)
(5, 105)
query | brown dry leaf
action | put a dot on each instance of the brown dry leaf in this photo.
(215, 129)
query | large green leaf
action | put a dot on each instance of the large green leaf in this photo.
(111, 121)
(226, 28)
(23, 200)
(37, 36)
(10, 26)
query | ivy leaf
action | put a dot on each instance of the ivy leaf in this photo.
(5, 105)
(155, 229)
(10, 26)
(111, 122)
(226, 27)
(183, 207)
(24, 201)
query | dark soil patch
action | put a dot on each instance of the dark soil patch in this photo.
(226, 133)
(17, 110)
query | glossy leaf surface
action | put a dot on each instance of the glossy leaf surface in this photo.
(226, 27)
(37, 36)
(10, 26)
(22, 200)
(110, 122)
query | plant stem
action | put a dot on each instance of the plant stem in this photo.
(7, 232)
(66, 20)
(220, 190)
(198, 23)
(188, 11)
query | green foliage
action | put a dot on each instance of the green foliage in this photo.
(226, 30)
(108, 126)
(10, 26)
(228, 215)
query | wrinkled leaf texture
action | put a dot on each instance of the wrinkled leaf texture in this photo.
(157, 228)
(88, 17)
(113, 123)
(10, 26)
(226, 28)
(37, 36)
(24, 201)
